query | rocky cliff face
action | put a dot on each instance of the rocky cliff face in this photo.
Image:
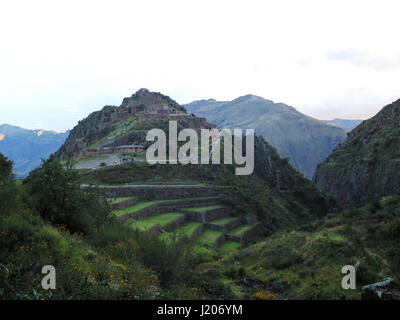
(128, 123)
(366, 166)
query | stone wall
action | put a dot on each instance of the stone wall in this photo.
(159, 192)
(174, 224)
(226, 227)
(219, 241)
(248, 235)
(197, 232)
(208, 215)
(163, 208)
(124, 204)
(251, 234)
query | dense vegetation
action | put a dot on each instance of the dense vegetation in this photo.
(49, 219)
(366, 166)
(306, 262)
(95, 257)
(276, 193)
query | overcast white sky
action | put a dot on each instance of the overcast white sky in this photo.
(61, 60)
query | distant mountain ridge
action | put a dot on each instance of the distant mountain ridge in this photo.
(27, 147)
(305, 140)
(366, 166)
(345, 124)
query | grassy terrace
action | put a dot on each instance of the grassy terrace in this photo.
(240, 230)
(145, 204)
(229, 246)
(186, 229)
(201, 209)
(162, 219)
(118, 200)
(223, 221)
(208, 237)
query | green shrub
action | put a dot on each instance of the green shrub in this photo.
(57, 196)
(281, 257)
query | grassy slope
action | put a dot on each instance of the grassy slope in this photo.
(117, 200)
(256, 194)
(306, 264)
(240, 230)
(161, 219)
(306, 141)
(366, 166)
(223, 221)
(83, 271)
(208, 237)
(202, 209)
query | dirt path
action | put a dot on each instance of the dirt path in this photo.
(94, 164)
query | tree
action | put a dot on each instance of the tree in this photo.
(7, 187)
(58, 198)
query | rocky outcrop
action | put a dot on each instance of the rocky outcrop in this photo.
(384, 290)
(366, 165)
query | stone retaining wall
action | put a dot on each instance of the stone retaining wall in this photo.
(250, 219)
(233, 238)
(251, 234)
(217, 214)
(159, 192)
(124, 204)
(248, 235)
(208, 215)
(219, 241)
(226, 227)
(163, 208)
(174, 224)
(197, 232)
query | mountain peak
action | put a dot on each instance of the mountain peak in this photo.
(281, 125)
(144, 97)
(251, 97)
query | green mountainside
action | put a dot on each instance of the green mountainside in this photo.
(26, 147)
(306, 262)
(107, 250)
(306, 141)
(366, 166)
(137, 230)
(275, 191)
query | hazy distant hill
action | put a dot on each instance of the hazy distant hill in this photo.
(345, 124)
(366, 166)
(26, 147)
(305, 140)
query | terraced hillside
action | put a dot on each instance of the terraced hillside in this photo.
(202, 220)
(116, 132)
